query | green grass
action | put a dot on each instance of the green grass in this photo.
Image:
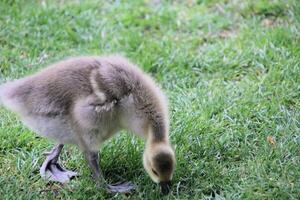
(231, 70)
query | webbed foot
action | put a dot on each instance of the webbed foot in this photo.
(123, 187)
(52, 171)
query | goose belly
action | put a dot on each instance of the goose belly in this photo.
(54, 128)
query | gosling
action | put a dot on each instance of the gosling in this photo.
(85, 101)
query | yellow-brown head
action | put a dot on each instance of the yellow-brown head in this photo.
(159, 162)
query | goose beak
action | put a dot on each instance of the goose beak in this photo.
(165, 187)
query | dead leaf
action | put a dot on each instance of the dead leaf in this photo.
(271, 140)
(225, 34)
(267, 23)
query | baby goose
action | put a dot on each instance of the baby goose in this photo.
(86, 100)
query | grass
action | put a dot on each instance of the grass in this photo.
(231, 70)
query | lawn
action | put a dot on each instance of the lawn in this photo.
(231, 70)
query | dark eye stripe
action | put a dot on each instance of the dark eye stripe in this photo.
(154, 172)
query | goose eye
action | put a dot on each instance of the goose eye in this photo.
(154, 172)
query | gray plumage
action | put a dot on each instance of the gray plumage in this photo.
(86, 100)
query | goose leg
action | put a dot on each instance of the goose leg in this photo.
(122, 187)
(51, 170)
